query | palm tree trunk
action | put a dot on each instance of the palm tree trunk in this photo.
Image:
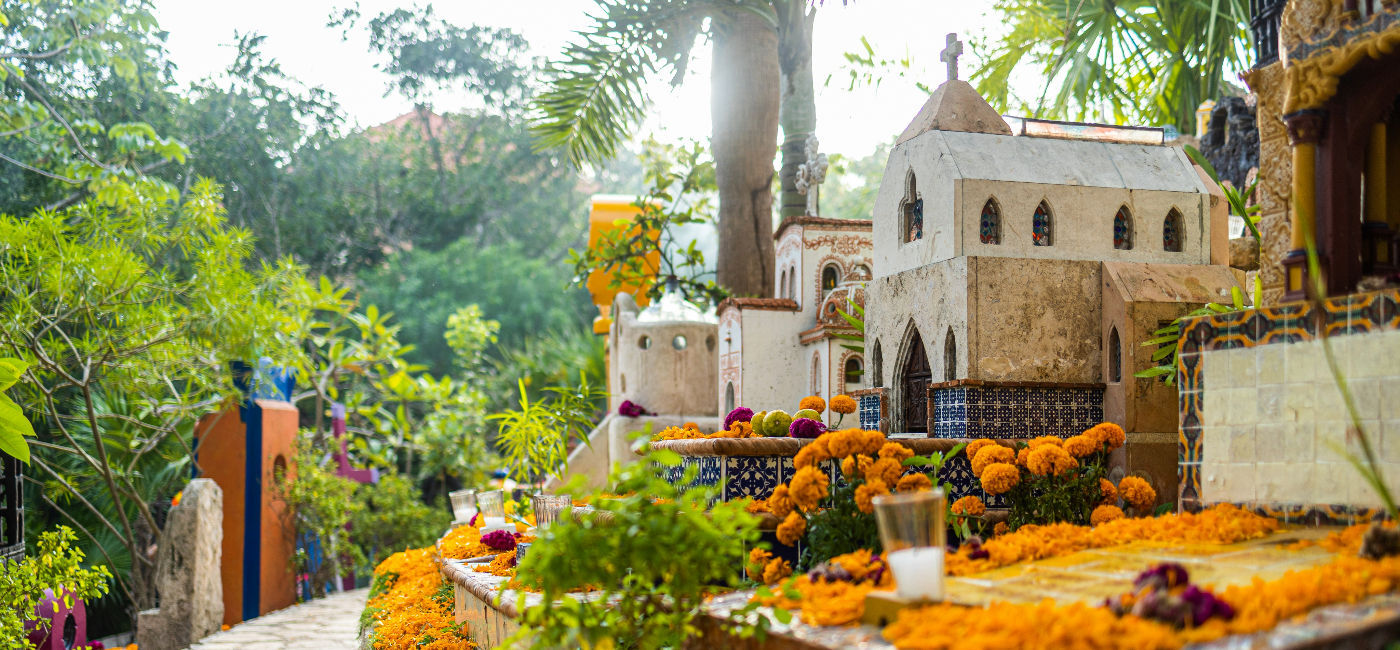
(797, 114)
(744, 107)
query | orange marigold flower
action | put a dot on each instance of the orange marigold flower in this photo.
(1023, 456)
(812, 402)
(1046, 440)
(1110, 493)
(916, 482)
(874, 440)
(691, 425)
(976, 446)
(1001, 528)
(1081, 445)
(1137, 492)
(1107, 433)
(886, 470)
(991, 454)
(999, 478)
(1105, 514)
(808, 487)
(844, 443)
(1050, 460)
(848, 467)
(896, 451)
(969, 506)
(843, 404)
(780, 502)
(775, 570)
(813, 453)
(758, 558)
(867, 491)
(792, 528)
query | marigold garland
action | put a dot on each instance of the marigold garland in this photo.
(1110, 493)
(502, 565)
(1008, 625)
(737, 429)
(1222, 524)
(776, 570)
(1137, 492)
(998, 478)
(407, 614)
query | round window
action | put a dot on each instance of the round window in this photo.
(678, 342)
(644, 343)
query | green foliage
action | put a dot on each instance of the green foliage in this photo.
(839, 527)
(13, 425)
(1070, 497)
(550, 359)
(1166, 338)
(534, 439)
(468, 334)
(1133, 61)
(851, 185)
(681, 180)
(393, 518)
(653, 553)
(56, 565)
(322, 504)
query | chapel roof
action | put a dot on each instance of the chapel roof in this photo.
(767, 304)
(955, 106)
(823, 223)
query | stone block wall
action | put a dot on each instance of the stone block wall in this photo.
(1263, 422)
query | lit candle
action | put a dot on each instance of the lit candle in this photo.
(918, 572)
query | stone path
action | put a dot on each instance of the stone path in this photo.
(326, 624)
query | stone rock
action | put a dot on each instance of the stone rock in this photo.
(1244, 253)
(187, 572)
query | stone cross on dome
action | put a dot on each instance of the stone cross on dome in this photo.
(949, 55)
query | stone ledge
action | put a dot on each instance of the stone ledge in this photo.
(789, 446)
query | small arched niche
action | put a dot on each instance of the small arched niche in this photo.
(1173, 232)
(990, 228)
(1115, 357)
(1043, 225)
(1123, 229)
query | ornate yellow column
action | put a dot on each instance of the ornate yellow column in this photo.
(1304, 132)
(1376, 235)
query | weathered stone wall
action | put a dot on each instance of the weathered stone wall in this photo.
(1034, 320)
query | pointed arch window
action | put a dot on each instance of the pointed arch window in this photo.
(1042, 226)
(783, 284)
(991, 223)
(1123, 229)
(852, 372)
(1173, 235)
(729, 397)
(912, 210)
(816, 373)
(950, 356)
(1115, 357)
(877, 380)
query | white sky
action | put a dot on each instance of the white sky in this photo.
(852, 123)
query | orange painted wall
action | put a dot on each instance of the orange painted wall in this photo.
(279, 587)
(222, 457)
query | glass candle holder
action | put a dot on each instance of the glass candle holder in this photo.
(492, 505)
(548, 506)
(913, 533)
(463, 504)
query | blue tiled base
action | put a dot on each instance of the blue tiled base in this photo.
(1001, 412)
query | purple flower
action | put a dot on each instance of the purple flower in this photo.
(500, 540)
(630, 409)
(1206, 605)
(806, 428)
(740, 414)
(1167, 575)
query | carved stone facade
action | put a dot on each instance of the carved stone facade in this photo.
(1275, 178)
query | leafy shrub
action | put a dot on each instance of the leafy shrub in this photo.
(56, 566)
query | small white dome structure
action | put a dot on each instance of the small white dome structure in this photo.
(664, 357)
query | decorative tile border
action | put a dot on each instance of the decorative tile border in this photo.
(1297, 322)
(1019, 410)
(756, 476)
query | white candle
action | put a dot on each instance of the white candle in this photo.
(918, 572)
(490, 522)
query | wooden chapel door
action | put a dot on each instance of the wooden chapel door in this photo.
(914, 388)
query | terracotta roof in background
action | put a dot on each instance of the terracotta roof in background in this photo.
(825, 223)
(766, 304)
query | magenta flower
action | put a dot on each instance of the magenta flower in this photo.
(806, 428)
(740, 414)
(630, 409)
(500, 540)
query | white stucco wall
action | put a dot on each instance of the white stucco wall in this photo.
(662, 378)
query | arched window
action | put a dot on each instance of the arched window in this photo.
(792, 283)
(852, 373)
(991, 223)
(1123, 229)
(878, 381)
(816, 373)
(950, 356)
(729, 397)
(1042, 226)
(782, 284)
(1115, 357)
(830, 276)
(863, 271)
(1173, 236)
(911, 210)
